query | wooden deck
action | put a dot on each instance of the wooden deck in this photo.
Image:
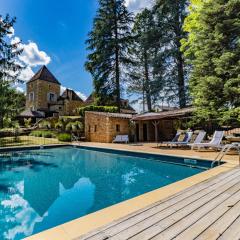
(208, 210)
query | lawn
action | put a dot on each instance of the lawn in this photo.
(27, 140)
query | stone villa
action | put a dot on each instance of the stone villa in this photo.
(44, 98)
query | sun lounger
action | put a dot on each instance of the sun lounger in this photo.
(174, 139)
(214, 143)
(185, 141)
(121, 139)
(201, 135)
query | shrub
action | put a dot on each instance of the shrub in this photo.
(64, 137)
(74, 126)
(111, 109)
(36, 133)
(48, 134)
(45, 134)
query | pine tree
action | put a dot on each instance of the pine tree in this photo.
(140, 72)
(109, 42)
(169, 62)
(213, 50)
(9, 68)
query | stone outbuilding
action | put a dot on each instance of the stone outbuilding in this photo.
(103, 127)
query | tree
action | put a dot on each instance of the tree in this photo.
(9, 68)
(142, 50)
(108, 43)
(169, 63)
(213, 50)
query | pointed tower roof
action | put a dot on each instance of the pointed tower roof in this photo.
(45, 75)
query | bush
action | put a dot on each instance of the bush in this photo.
(36, 133)
(64, 137)
(45, 134)
(111, 109)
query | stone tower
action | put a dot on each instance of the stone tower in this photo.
(43, 90)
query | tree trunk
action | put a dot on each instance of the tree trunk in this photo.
(147, 82)
(117, 70)
(180, 61)
(181, 82)
(1, 122)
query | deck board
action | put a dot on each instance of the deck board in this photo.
(208, 210)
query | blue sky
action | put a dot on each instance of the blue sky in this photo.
(53, 32)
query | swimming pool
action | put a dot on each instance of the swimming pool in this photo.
(43, 188)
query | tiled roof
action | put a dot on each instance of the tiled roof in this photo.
(44, 74)
(29, 113)
(165, 114)
(89, 99)
(68, 92)
(112, 115)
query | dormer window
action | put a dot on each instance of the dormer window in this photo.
(31, 96)
(51, 97)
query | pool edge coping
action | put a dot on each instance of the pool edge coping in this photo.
(83, 225)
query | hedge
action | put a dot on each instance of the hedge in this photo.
(111, 109)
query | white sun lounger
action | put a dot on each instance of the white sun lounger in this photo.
(121, 139)
(201, 135)
(214, 143)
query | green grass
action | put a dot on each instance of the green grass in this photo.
(27, 140)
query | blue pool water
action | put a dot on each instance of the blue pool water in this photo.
(40, 189)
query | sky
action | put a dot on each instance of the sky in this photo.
(53, 33)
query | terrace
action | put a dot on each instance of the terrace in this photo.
(205, 206)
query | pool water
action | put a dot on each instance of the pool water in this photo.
(40, 189)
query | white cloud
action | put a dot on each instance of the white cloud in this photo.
(81, 95)
(15, 40)
(137, 5)
(26, 74)
(20, 89)
(10, 35)
(32, 56)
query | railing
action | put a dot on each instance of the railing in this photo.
(224, 151)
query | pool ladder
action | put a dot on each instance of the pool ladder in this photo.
(224, 151)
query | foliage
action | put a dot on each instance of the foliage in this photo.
(111, 109)
(45, 124)
(45, 134)
(64, 137)
(169, 66)
(27, 122)
(108, 44)
(61, 124)
(213, 50)
(9, 70)
(74, 126)
(142, 50)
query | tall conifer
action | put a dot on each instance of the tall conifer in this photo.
(108, 44)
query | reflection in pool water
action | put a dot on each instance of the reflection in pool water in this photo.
(40, 189)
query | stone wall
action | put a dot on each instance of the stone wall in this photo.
(70, 107)
(102, 128)
(41, 89)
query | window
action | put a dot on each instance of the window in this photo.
(51, 97)
(95, 128)
(31, 96)
(60, 108)
(118, 128)
(89, 128)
